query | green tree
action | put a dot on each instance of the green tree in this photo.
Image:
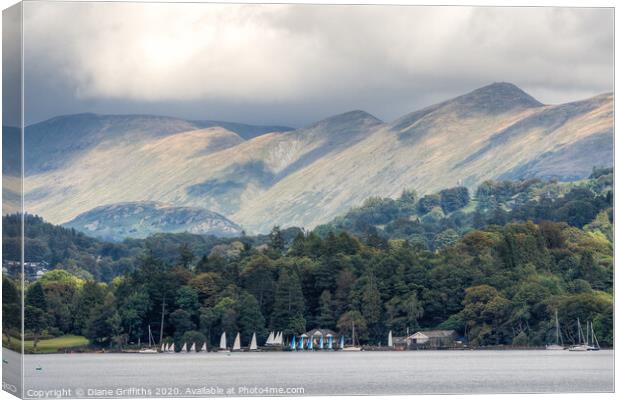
(288, 302)
(326, 316)
(250, 319)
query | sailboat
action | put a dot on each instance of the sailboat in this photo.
(237, 343)
(172, 348)
(223, 346)
(149, 350)
(580, 345)
(592, 343)
(390, 341)
(353, 347)
(253, 346)
(204, 347)
(184, 348)
(270, 339)
(293, 342)
(558, 345)
(279, 340)
(193, 348)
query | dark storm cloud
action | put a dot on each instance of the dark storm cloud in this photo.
(296, 64)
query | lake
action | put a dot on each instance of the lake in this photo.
(318, 373)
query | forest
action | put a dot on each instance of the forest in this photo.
(495, 265)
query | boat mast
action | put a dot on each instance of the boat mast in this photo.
(161, 329)
(557, 328)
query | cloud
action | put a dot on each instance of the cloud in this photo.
(382, 57)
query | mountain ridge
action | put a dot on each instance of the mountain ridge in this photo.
(307, 176)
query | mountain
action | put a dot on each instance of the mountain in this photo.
(244, 130)
(141, 219)
(310, 175)
(54, 143)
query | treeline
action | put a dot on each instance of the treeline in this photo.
(439, 220)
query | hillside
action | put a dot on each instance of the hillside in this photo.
(116, 222)
(311, 175)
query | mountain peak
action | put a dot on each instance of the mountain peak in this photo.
(355, 118)
(497, 97)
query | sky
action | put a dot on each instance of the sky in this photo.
(296, 64)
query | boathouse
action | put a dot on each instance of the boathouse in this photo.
(433, 339)
(318, 332)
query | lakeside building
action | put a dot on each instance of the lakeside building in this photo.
(435, 339)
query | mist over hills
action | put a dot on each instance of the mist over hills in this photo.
(263, 176)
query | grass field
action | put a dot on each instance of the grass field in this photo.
(49, 345)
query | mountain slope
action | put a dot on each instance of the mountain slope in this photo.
(53, 143)
(447, 144)
(310, 175)
(142, 219)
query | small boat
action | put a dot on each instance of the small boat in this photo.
(390, 341)
(184, 348)
(279, 340)
(172, 348)
(150, 349)
(237, 343)
(253, 346)
(293, 347)
(592, 341)
(580, 345)
(558, 345)
(353, 347)
(193, 348)
(270, 339)
(204, 347)
(163, 347)
(223, 345)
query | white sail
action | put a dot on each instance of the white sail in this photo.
(237, 343)
(390, 342)
(184, 348)
(253, 345)
(163, 347)
(223, 341)
(172, 348)
(193, 348)
(279, 339)
(204, 347)
(270, 339)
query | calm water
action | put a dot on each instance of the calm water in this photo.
(321, 373)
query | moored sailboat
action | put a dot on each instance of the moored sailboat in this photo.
(390, 341)
(150, 349)
(193, 348)
(237, 343)
(223, 345)
(204, 347)
(353, 347)
(253, 346)
(558, 345)
(580, 345)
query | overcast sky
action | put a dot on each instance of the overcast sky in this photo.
(292, 65)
